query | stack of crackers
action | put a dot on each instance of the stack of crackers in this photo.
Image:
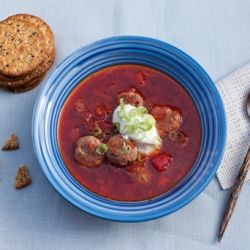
(27, 52)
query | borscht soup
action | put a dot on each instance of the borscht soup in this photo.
(129, 133)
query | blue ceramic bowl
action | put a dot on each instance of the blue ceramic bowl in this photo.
(128, 50)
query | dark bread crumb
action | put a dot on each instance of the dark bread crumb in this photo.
(22, 177)
(11, 143)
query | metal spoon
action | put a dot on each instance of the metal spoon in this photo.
(237, 186)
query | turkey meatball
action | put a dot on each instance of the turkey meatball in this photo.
(121, 152)
(167, 119)
(85, 151)
(130, 97)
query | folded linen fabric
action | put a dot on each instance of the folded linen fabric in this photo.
(234, 90)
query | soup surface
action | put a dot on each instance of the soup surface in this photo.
(91, 105)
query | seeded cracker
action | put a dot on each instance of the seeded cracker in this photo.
(37, 73)
(25, 87)
(42, 26)
(22, 177)
(11, 143)
(21, 47)
(21, 83)
(49, 49)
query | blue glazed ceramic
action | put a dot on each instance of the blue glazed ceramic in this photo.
(128, 50)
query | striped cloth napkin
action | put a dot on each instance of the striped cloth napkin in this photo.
(234, 90)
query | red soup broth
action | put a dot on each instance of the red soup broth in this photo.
(91, 103)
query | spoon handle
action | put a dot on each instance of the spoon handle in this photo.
(235, 193)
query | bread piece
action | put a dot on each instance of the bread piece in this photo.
(21, 47)
(11, 143)
(22, 177)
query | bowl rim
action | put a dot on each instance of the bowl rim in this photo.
(68, 73)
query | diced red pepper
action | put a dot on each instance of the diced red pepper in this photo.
(140, 172)
(103, 110)
(98, 110)
(79, 105)
(161, 161)
(86, 115)
(108, 109)
(141, 77)
(92, 121)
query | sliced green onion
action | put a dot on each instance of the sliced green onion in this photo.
(96, 131)
(141, 111)
(129, 129)
(159, 140)
(150, 120)
(145, 127)
(133, 113)
(106, 134)
(122, 103)
(126, 118)
(126, 149)
(140, 135)
(115, 127)
(102, 149)
(147, 124)
(136, 123)
(175, 136)
(122, 113)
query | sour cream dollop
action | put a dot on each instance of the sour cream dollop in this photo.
(137, 126)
